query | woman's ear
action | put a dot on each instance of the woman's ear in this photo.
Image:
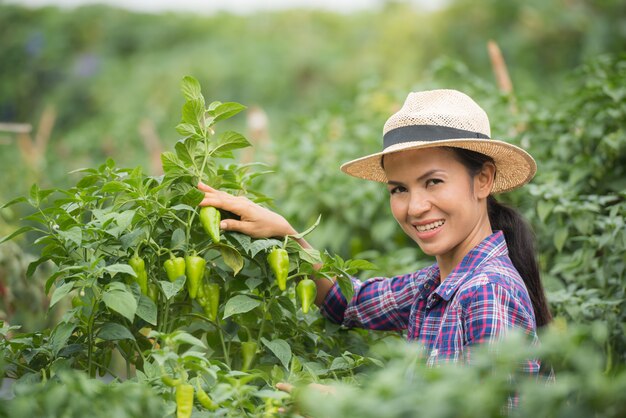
(483, 181)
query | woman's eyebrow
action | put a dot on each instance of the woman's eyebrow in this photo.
(419, 179)
(429, 173)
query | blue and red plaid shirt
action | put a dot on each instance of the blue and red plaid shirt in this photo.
(481, 299)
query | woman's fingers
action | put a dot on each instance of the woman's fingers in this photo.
(205, 187)
(222, 200)
(285, 387)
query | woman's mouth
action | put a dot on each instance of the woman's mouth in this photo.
(429, 226)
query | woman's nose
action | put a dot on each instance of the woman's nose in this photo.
(418, 205)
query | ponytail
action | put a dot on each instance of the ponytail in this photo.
(521, 243)
(518, 234)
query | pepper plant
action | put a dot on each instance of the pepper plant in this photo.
(153, 279)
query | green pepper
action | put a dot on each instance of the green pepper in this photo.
(139, 267)
(170, 381)
(153, 292)
(306, 291)
(184, 400)
(194, 270)
(212, 290)
(210, 219)
(248, 351)
(209, 298)
(278, 259)
(174, 267)
(204, 399)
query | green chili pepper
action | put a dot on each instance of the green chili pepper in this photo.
(209, 298)
(184, 400)
(210, 219)
(212, 290)
(194, 270)
(306, 292)
(278, 259)
(170, 381)
(248, 351)
(139, 267)
(174, 267)
(153, 292)
(204, 399)
(271, 410)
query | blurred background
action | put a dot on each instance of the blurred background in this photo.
(80, 83)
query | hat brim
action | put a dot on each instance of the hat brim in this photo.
(514, 166)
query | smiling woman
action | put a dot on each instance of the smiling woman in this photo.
(442, 169)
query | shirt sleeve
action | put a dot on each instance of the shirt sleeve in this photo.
(378, 303)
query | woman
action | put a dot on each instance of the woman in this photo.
(441, 170)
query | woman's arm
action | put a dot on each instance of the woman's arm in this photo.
(257, 222)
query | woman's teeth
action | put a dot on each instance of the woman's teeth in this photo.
(428, 227)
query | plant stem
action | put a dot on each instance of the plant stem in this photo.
(221, 335)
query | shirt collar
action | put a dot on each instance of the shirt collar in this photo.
(492, 246)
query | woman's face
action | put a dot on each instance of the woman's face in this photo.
(437, 203)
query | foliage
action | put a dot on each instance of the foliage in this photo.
(75, 61)
(92, 231)
(406, 387)
(72, 394)
(579, 200)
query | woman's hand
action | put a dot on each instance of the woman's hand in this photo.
(255, 221)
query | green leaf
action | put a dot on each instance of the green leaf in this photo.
(281, 350)
(123, 221)
(114, 187)
(193, 197)
(184, 337)
(13, 202)
(171, 163)
(226, 110)
(113, 269)
(122, 302)
(560, 236)
(340, 363)
(240, 304)
(132, 239)
(227, 142)
(184, 152)
(34, 195)
(191, 88)
(60, 292)
(345, 284)
(178, 240)
(544, 208)
(262, 245)
(186, 130)
(232, 258)
(33, 265)
(16, 233)
(60, 335)
(171, 289)
(112, 331)
(193, 112)
(74, 234)
(310, 255)
(360, 265)
(147, 310)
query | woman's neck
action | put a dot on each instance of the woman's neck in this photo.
(449, 261)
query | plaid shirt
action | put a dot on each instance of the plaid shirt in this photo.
(478, 302)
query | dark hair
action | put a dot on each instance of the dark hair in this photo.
(518, 235)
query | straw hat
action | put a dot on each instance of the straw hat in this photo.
(446, 118)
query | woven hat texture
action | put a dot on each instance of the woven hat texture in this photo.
(440, 113)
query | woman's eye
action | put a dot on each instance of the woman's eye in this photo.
(397, 189)
(432, 182)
